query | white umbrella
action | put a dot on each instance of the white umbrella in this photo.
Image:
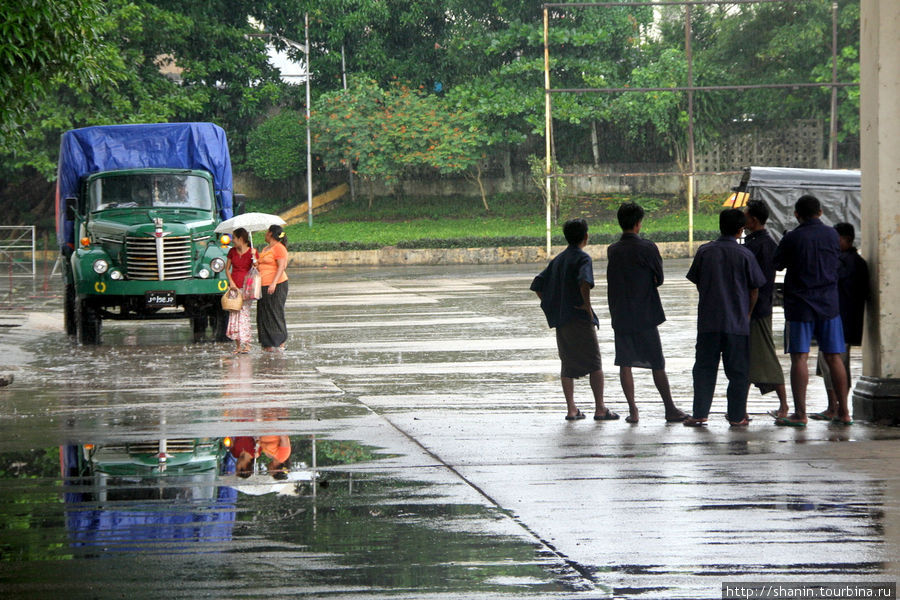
(257, 485)
(253, 221)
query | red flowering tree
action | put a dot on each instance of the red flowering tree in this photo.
(384, 134)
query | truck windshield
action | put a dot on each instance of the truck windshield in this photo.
(157, 190)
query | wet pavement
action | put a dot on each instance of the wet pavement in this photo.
(429, 458)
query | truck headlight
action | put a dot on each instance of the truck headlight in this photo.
(100, 266)
(115, 275)
(203, 273)
(217, 264)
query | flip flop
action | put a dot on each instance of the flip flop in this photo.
(837, 421)
(577, 416)
(609, 416)
(820, 416)
(742, 423)
(774, 414)
(628, 419)
(692, 422)
(679, 419)
(789, 422)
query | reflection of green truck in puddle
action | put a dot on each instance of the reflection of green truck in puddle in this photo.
(137, 206)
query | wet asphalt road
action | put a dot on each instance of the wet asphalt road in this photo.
(443, 465)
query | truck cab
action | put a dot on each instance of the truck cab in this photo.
(137, 231)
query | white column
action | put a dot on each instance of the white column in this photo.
(877, 395)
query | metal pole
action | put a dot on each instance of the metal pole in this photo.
(832, 146)
(690, 131)
(33, 252)
(349, 166)
(309, 205)
(547, 120)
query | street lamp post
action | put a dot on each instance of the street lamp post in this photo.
(309, 205)
(306, 75)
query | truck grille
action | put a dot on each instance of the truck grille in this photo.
(142, 260)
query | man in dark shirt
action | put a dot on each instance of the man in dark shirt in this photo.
(810, 253)
(728, 279)
(634, 271)
(765, 369)
(564, 289)
(853, 292)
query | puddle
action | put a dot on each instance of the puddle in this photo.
(97, 513)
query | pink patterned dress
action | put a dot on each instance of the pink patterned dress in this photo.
(239, 320)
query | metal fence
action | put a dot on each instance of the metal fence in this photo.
(17, 250)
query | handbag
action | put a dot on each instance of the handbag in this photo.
(252, 285)
(231, 300)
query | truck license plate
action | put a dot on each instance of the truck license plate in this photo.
(159, 299)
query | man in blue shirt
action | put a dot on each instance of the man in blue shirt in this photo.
(765, 369)
(634, 272)
(564, 289)
(728, 279)
(811, 255)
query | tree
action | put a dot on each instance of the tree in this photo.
(162, 60)
(383, 134)
(46, 42)
(788, 42)
(276, 147)
(502, 44)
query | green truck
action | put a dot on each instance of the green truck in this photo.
(136, 212)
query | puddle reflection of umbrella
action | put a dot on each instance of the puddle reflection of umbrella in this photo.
(253, 221)
(257, 485)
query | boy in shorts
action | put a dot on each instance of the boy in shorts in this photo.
(811, 255)
(564, 289)
(634, 272)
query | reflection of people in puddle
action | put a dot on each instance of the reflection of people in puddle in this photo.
(277, 447)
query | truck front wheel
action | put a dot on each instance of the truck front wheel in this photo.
(69, 311)
(87, 323)
(218, 322)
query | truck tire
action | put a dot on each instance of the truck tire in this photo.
(88, 324)
(198, 327)
(69, 311)
(218, 321)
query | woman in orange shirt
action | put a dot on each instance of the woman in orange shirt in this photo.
(270, 322)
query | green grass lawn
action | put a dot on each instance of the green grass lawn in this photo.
(463, 222)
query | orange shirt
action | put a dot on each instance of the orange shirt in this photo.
(276, 447)
(268, 266)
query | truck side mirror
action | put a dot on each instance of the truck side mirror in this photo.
(240, 204)
(71, 205)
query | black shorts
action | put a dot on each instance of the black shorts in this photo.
(578, 348)
(641, 349)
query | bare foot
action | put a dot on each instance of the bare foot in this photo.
(675, 416)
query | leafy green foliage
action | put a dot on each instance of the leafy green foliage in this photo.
(276, 148)
(113, 75)
(383, 134)
(44, 43)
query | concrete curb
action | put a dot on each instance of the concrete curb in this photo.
(393, 256)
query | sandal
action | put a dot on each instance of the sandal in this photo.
(820, 416)
(576, 417)
(609, 416)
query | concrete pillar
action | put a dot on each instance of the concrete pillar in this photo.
(877, 394)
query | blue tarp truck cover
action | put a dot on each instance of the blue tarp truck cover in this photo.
(159, 145)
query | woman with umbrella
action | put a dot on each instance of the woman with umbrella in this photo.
(270, 321)
(240, 260)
